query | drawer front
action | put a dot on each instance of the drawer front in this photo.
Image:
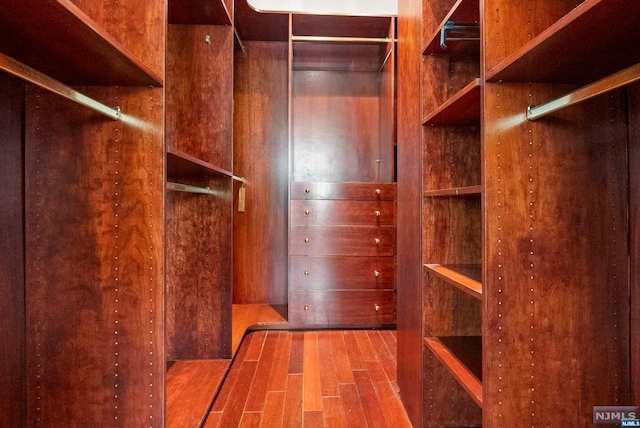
(341, 308)
(326, 212)
(341, 241)
(352, 191)
(341, 273)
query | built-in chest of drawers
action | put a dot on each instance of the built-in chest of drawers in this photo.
(342, 247)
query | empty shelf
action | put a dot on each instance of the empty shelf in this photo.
(465, 277)
(455, 191)
(461, 109)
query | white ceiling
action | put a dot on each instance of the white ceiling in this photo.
(328, 7)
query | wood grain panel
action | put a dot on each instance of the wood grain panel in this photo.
(387, 124)
(335, 126)
(191, 387)
(139, 26)
(261, 156)
(12, 268)
(336, 308)
(433, 12)
(342, 241)
(336, 190)
(410, 207)
(556, 257)
(634, 233)
(338, 57)
(451, 157)
(340, 26)
(94, 245)
(335, 213)
(516, 24)
(198, 232)
(253, 25)
(199, 88)
(215, 12)
(443, 76)
(339, 273)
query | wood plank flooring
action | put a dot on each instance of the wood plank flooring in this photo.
(312, 379)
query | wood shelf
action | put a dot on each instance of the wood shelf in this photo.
(594, 40)
(181, 163)
(209, 12)
(455, 191)
(465, 277)
(463, 12)
(58, 39)
(462, 356)
(461, 109)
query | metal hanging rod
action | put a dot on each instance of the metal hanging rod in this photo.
(30, 75)
(452, 27)
(240, 179)
(615, 81)
(177, 187)
(342, 39)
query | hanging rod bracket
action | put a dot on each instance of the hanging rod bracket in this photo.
(462, 32)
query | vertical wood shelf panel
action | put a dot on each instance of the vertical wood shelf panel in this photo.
(58, 39)
(461, 355)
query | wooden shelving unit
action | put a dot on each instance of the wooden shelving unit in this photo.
(456, 191)
(461, 355)
(461, 109)
(462, 12)
(182, 164)
(605, 27)
(465, 277)
(60, 40)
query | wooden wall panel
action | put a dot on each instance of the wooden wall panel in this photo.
(261, 156)
(199, 257)
(94, 264)
(444, 76)
(386, 166)
(335, 126)
(634, 210)
(139, 26)
(515, 25)
(409, 226)
(200, 92)
(451, 157)
(12, 304)
(556, 259)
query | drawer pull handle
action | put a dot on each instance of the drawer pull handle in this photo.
(307, 212)
(378, 191)
(377, 307)
(307, 190)
(378, 213)
(306, 308)
(376, 273)
(306, 273)
(306, 239)
(377, 241)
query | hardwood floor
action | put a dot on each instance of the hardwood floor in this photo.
(312, 379)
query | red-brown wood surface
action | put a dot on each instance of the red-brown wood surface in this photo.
(94, 260)
(253, 25)
(261, 156)
(463, 12)
(352, 191)
(556, 286)
(140, 27)
(409, 294)
(341, 26)
(388, 122)
(516, 24)
(200, 92)
(634, 211)
(571, 42)
(342, 240)
(211, 12)
(335, 126)
(79, 45)
(199, 254)
(338, 273)
(338, 56)
(12, 269)
(335, 213)
(341, 308)
(461, 109)
(191, 387)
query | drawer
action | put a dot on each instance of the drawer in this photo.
(341, 273)
(327, 212)
(354, 191)
(341, 308)
(342, 241)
